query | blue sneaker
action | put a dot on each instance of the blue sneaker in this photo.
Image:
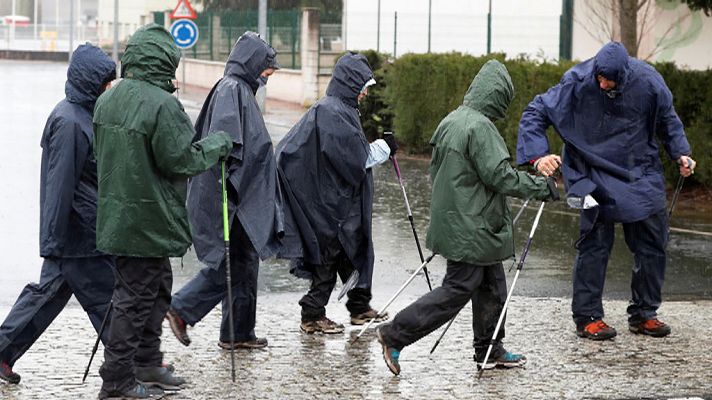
(506, 360)
(390, 355)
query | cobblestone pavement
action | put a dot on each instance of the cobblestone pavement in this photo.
(300, 366)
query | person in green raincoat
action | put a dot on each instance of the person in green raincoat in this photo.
(145, 155)
(470, 222)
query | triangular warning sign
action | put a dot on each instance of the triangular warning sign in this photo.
(183, 10)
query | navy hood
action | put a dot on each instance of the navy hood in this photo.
(88, 71)
(249, 57)
(351, 72)
(612, 63)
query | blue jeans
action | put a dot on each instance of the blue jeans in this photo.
(647, 240)
(90, 279)
(208, 288)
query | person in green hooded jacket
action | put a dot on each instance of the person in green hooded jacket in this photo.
(145, 154)
(470, 222)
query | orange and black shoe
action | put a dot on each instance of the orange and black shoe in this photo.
(6, 373)
(651, 327)
(596, 330)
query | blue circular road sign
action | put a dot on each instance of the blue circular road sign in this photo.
(185, 33)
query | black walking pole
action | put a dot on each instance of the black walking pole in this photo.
(514, 222)
(398, 292)
(96, 344)
(226, 234)
(678, 189)
(511, 290)
(410, 218)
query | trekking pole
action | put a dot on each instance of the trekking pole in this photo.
(514, 222)
(410, 218)
(398, 292)
(226, 233)
(96, 344)
(678, 189)
(511, 290)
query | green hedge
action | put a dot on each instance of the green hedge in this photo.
(421, 89)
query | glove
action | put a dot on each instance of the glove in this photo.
(391, 142)
(553, 191)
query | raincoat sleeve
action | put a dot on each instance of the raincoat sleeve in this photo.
(490, 157)
(68, 150)
(545, 110)
(378, 153)
(172, 146)
(668, 125)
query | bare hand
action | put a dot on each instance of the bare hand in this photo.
(547, 165)
(687, 166)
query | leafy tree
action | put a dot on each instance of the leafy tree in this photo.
(703, 5)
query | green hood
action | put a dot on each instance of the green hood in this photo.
(491, 91)
(151, 56)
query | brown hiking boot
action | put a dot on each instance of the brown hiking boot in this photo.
(652, 327)
(257, 343)
(597, 330)
(178, 326)
(323, 325)
(366, 317)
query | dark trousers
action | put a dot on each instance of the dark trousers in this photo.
(485, 286)
(90, 279)
(142, 295)
(647, 240)
(209, 287)
(323, 281)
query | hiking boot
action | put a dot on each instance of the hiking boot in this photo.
(140, 391)
(506, 360)
(323, 325)
(596, 330)
(256, 343)
(390, 354)
(178, 326)
(6, 373)
(158, 377)
(366, 317)
(169, 367)
(652, 327)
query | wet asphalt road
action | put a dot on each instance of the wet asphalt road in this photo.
(301, 366)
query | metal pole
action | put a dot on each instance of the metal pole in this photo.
(34, 19)
(115, 49)
(71, 29)
(12, 23)
(489, 28)
(395, 33)
(56, 15)
(378, 29)
(430, 19)
(262, 19)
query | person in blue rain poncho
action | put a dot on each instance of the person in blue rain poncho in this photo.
(611, 111)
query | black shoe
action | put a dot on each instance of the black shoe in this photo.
(390, 354)
(139, 391)
(6, 373)
(256, 343)
(178, 326)
(506, 360)
(159, 377)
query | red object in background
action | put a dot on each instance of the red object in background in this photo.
(183, 10)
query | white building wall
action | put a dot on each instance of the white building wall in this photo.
(688, 34)
(530, 27)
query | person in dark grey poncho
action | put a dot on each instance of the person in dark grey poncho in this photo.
(254, 212)
(324, 165)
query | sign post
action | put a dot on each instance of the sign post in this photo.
(184, 30)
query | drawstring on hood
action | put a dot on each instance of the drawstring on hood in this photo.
(89, 70)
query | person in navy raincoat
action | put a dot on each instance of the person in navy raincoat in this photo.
(324, 164)
(68, 193)
(610, 111)
(253, 197)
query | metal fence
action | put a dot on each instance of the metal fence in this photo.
(45, 37)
